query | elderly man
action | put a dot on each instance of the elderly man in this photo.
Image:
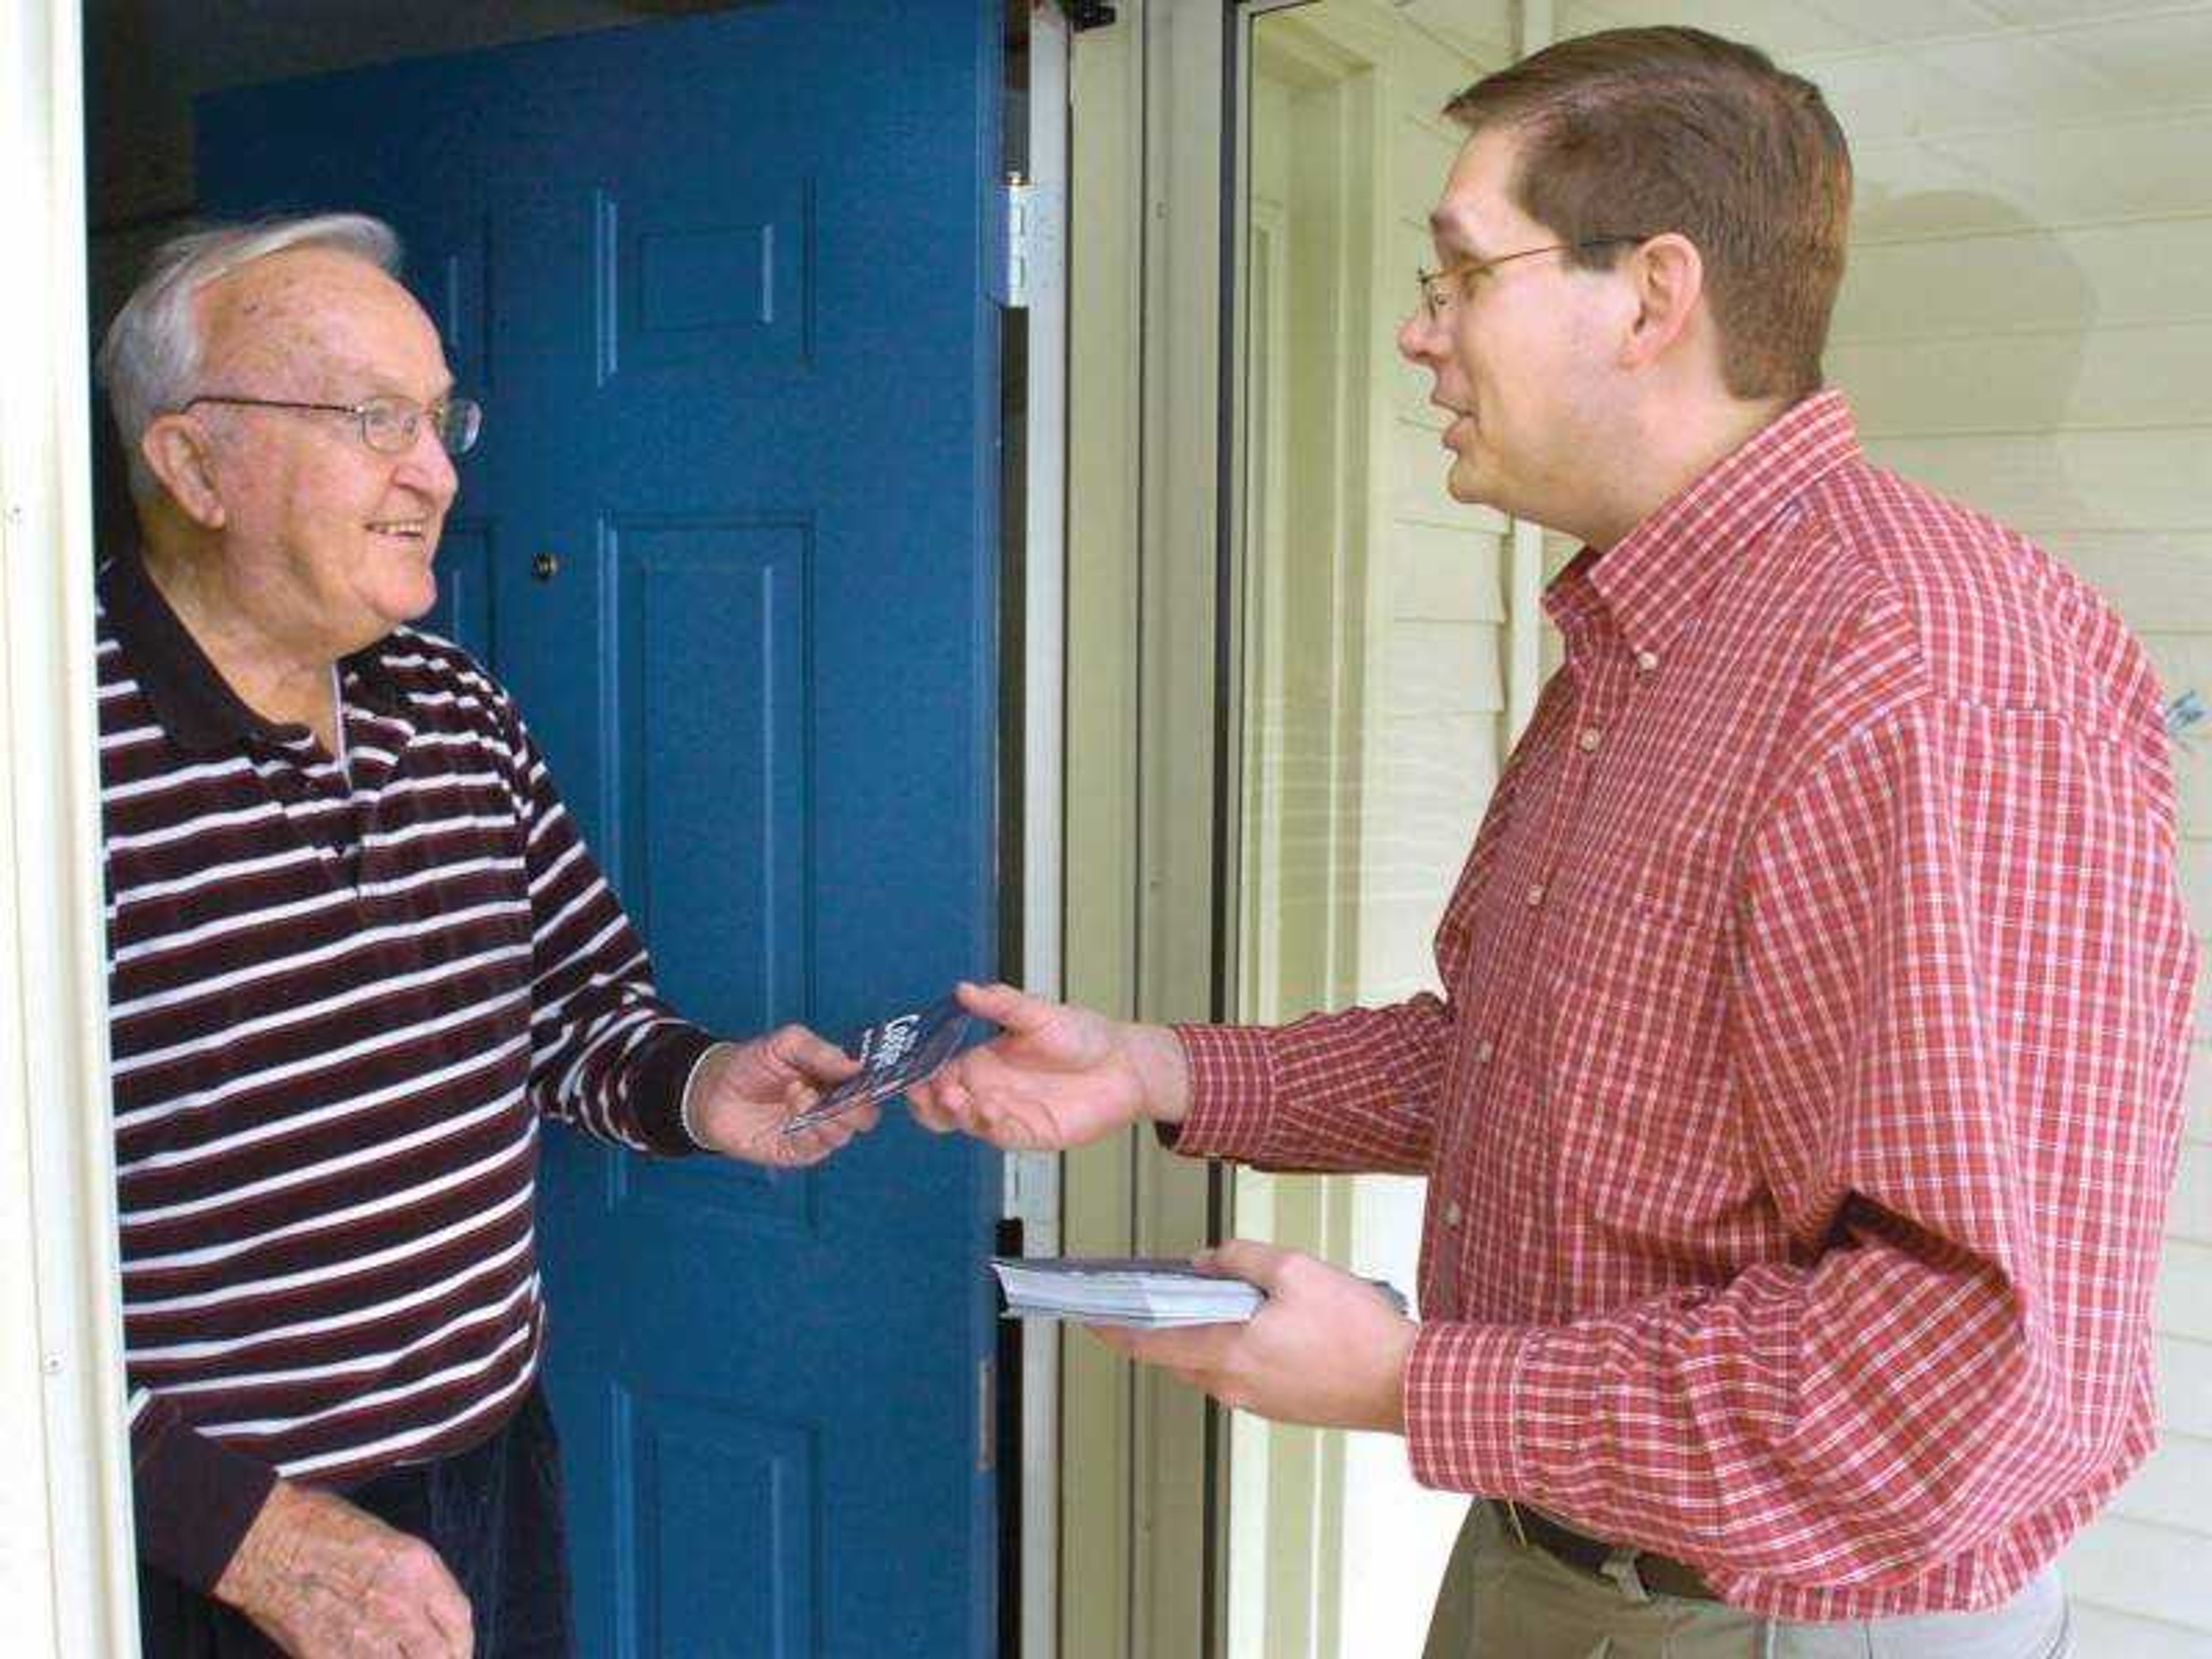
(357, 949)
(1802, 1104)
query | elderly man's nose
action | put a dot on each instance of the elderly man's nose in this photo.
(427, 465)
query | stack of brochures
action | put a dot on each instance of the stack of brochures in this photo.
(1149, 1293)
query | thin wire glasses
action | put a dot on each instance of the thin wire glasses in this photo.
(1442, 289)
(389, 425)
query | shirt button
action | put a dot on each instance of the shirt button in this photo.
(1451, 1213)
(1535, 895)
(1484, 1052)
(1589, 740)
(1646, 662)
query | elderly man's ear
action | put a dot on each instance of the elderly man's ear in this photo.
(176, 448)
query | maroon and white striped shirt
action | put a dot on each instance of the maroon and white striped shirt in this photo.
(1802, 1103)
(341, 992)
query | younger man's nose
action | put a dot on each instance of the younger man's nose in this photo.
(1422, 338)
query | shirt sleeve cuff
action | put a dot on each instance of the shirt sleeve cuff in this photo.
(1461, 1408)
(662, 1077)
(1231, 1091)
(194, 1499)
(684, 1101)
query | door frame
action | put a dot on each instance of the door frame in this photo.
(1034, 1180)
(1149, 825)
(1156, 502)
(68, 1560)
(1286, 1483)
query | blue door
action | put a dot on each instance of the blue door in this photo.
(730, 537)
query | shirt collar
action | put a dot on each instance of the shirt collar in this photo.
(189, 696)
(1653, 579)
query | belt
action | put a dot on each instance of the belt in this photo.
(1639, 1573)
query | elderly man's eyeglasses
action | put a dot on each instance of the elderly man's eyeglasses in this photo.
(389, 425)
(1442, 289)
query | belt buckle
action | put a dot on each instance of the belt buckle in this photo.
(1620, 1567)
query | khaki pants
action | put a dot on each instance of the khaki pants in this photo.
(1504, 1600)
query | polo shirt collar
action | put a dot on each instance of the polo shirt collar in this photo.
(1652, 582)
(195, 704)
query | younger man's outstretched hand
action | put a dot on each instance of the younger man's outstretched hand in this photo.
(1055, 1076)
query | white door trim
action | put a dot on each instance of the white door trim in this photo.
(67, 1563)
(1033, 1179)
(1139, 1523)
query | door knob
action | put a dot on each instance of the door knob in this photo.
(545, 566)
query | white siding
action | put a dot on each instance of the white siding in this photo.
(1436, 649)
(2064, 382)
(1370, 746)
(2027, 325)
(1439, 651)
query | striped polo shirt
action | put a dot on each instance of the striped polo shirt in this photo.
(342, 991)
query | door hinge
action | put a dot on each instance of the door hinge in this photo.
(1033, 232)
(986, 1418)
(1087, 14)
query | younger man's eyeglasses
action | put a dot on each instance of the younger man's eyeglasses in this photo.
(1442, 289)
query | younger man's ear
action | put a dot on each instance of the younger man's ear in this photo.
(1670, 278)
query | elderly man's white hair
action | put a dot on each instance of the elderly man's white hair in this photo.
(153, 352)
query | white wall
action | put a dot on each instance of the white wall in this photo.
(1375, 724)
(1437, 737)
(2027, 325)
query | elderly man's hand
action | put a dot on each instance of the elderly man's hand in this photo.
(324, 1579)
(1325, 1348)
(742, 1093)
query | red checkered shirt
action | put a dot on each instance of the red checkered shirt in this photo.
(1803, 1099)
